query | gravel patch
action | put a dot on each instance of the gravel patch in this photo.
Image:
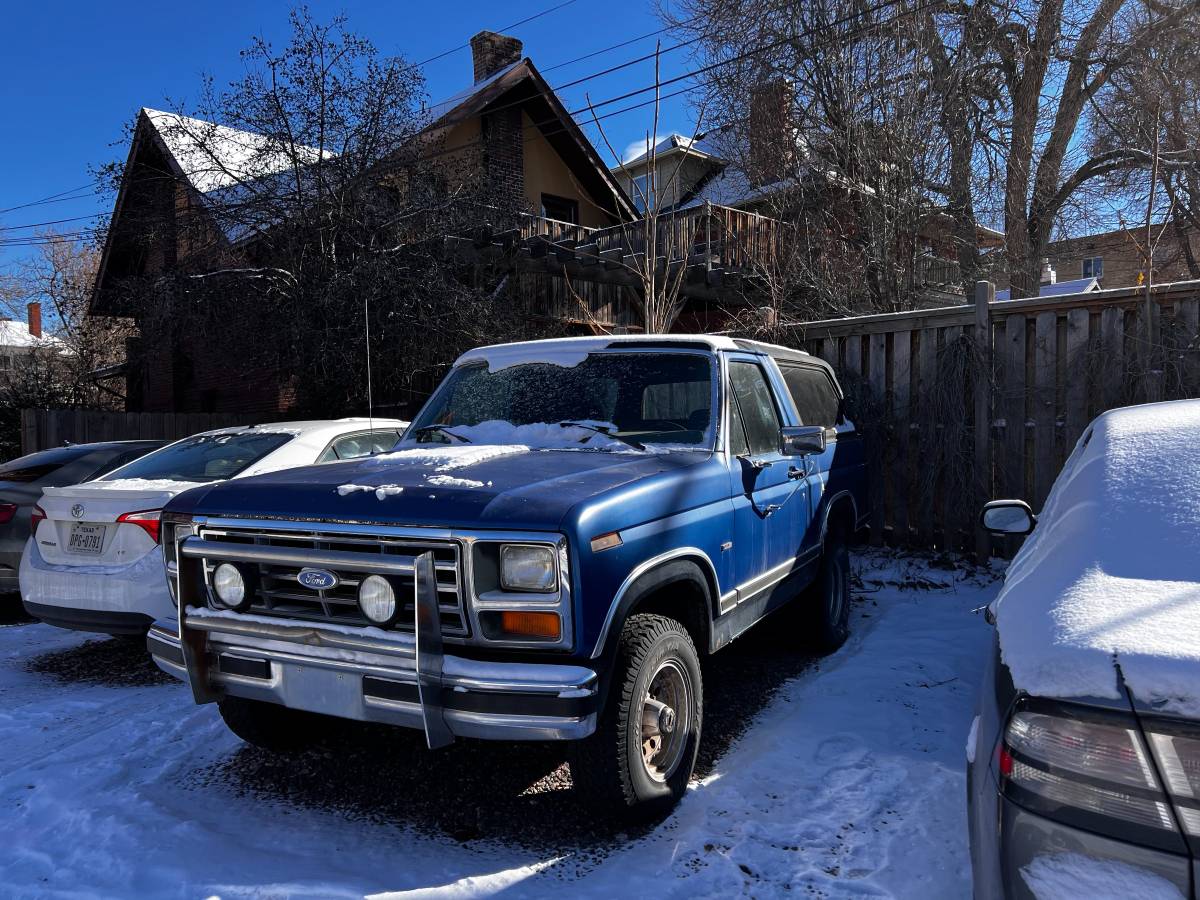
(111, 662)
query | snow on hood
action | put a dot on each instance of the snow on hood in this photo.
(1112, 572)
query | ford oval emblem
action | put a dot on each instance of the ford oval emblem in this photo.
(77, 510)
(317, 579)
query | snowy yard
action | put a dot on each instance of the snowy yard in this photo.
(821, 777)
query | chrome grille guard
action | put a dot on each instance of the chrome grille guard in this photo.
(195, 552)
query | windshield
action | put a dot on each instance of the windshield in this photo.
(637, 398)
(205, 457)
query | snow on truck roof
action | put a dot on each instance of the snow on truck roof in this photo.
(571, 351)
(1108, 586)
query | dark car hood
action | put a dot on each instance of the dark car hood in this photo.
(502, 487)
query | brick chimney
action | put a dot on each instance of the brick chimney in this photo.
(35, 319)
(502, 131)
(772, 142)
(491, 52)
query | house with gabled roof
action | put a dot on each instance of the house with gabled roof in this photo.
(181, 174)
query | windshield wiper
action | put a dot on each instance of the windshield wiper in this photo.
(607, 432)
(444, 429)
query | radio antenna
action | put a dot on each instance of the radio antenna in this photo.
(367, 331)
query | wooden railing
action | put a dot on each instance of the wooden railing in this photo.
(711, 236)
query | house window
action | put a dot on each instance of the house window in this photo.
(643, 192)
(560, 208)
(1093, 267)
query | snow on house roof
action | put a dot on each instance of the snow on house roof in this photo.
(16, 334)
(1108, 585)
(443, 108)
(638, 152)
(213, 157)
(1059, 288)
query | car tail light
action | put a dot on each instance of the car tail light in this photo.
(7, 511)
(1090, 769)
(36, 517)
(1177, 753)
(148, 520)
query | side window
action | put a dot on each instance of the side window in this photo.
(752, 395)
(813, 394)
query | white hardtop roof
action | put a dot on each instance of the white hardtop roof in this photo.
(559, 349)
(315, 427)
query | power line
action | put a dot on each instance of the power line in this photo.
(52, 198)
(31, 240)
(452, 50)
(51, 222)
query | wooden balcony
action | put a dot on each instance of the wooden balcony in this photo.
(723, 250)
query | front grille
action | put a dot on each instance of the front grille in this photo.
(279, 593)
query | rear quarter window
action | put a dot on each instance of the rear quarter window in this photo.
(813, 393)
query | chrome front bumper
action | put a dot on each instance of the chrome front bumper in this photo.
(374, 679)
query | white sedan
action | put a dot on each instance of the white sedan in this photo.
(93, 564)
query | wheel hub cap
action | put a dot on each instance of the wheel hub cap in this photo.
(665, 720)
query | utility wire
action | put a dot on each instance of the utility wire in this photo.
(30, 240)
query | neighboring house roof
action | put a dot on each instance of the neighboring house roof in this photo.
(15, 335)
(674, 143)
(1059, 288)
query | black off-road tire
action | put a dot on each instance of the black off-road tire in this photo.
(271, 726)
(827, 600)
(609, 768)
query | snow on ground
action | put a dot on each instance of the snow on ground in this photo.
(846, 780)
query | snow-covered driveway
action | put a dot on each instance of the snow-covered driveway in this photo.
(831, 777)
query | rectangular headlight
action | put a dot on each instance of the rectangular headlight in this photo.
(524, 567)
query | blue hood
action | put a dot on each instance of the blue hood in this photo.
(530, 490)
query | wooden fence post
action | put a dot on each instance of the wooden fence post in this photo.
(985, 296)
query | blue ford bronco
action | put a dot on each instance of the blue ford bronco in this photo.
(565, 530)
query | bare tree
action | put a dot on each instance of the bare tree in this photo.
(315, 201)
(827, 111)
(661, 238)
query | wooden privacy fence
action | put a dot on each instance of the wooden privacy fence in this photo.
(966, 403)
(43, 428)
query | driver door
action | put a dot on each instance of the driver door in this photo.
(768, 495)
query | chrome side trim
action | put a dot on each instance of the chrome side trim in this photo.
(637, 573)
(774, 575)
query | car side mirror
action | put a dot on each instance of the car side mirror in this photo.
(800, 440)
(1008, 517)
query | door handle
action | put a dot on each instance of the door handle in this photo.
(795, 474)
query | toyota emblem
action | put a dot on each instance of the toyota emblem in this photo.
(77, 510)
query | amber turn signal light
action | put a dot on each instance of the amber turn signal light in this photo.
(531, 624)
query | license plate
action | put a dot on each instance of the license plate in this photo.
(86, 538)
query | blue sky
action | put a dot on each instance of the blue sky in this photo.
(75, 73)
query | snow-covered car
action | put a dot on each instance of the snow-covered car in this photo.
(23, 479)
(1084, 759)
(93, 562)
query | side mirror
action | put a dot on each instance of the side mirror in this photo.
(1008, 517)
(799, 440)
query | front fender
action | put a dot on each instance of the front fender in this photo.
(678, 569)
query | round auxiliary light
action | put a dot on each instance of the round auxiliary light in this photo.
(377, 600)
(229, 585)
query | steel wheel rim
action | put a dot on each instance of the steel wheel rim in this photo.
(665, 721)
